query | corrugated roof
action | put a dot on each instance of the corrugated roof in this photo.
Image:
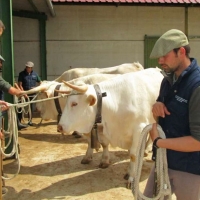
(130, 1)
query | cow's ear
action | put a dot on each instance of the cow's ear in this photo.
(91, 99)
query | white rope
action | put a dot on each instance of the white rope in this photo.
(36, 101)
(26, 109)
(163, 184)
(13, 136)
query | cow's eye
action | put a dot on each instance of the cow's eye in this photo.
(74, 104)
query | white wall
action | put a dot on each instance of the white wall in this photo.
(194, 32)
(98, 36)
(26, 44)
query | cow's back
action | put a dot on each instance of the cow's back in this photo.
(80, 72)
(123, 68)
(76, 73)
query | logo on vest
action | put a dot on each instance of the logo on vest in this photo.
(180, 99)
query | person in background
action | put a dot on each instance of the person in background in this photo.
(27, 80)
(177, 111)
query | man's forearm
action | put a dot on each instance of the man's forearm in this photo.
(183, 144)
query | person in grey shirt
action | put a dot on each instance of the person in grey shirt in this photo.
(5, 87)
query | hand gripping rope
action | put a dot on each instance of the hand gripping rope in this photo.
(161, 169)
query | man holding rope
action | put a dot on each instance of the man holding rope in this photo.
(27, 80)
(177, 111)
(5, 87)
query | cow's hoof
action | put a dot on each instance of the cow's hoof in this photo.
(75, 133)
(126, 176)
(86, 161)
(130, 182)
(128, 185)
(145, 154)
(103, 165)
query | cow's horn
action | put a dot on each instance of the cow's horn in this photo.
(36, 89)
(80, 88)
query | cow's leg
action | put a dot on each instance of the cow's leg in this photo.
(130, 173)
(133, 150)
(89, 153)
(105, 160)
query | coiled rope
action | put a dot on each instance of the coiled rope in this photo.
(25, 109)
(163, 183)
(13, 134)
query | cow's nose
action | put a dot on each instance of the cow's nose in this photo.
(59, 128)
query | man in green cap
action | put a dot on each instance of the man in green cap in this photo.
(177, 111)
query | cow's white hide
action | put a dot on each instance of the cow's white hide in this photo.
(80, 72)
(126, 110)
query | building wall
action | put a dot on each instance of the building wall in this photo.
(98, 36)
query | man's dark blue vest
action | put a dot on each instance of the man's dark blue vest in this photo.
(30, 80)
(176, 98)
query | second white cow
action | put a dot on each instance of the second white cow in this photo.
(126, 110)
(119, 69)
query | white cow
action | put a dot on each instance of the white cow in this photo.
(48, 109)
(126, 110)
(79, 72)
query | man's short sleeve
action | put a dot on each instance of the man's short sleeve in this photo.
(4, 85)
(194, 114)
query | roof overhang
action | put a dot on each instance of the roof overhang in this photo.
(183, 3)
(36, 6)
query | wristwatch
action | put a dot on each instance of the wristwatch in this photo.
(155, 142)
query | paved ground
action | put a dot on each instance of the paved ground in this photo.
(51, 169)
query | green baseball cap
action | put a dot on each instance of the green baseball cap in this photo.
(170, 40)
(1, 58)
